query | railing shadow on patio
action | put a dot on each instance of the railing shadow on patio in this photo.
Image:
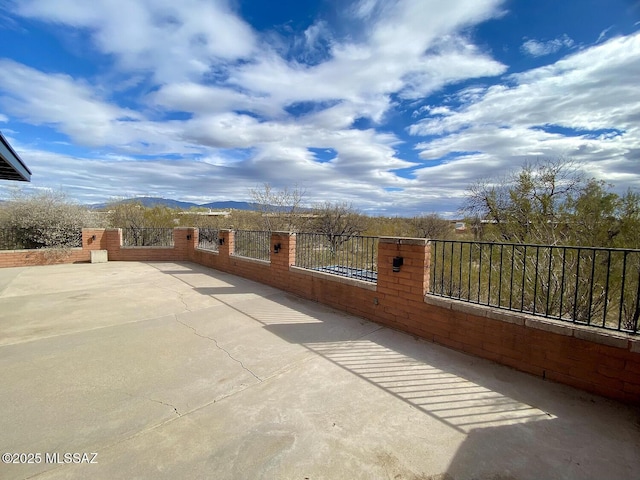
(414, 377)
(500, 416)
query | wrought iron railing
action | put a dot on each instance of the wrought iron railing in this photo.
(10, 240)
(252, 244)
(208, 239)
(35, 238)
(585, 285)
(147, 237)
(344, 255)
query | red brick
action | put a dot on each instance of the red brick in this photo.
(593, 367)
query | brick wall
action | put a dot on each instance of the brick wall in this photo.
(184, 241)
(21, 258)
(598, 361)
(602, 362)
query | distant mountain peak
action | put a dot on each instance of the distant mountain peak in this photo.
(168, 202)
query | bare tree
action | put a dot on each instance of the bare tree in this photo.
(431, 226)
(280, 209)
(338, 221)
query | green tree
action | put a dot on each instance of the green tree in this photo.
(551, 203)
(522, 206)
(134, 215)
(143, 226)
(600, 217)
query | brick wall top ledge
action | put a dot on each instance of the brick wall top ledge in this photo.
(334, 278)
(597, 335)
(42, 250)
(250, 260)
(403, 241)
(146, 247)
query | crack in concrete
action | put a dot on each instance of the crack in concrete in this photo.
(181, 297)
(164, 403)
(160, 402)
(179, 294)
(131, 395)
(370, 333)
(195, 332)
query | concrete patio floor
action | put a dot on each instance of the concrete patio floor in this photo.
(173, 370)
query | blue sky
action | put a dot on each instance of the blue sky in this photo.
(394, 106)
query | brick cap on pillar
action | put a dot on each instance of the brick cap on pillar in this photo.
(404, 241)
(278, 232)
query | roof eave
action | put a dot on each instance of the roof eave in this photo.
(13, 168)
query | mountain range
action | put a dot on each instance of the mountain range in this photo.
(168, 202)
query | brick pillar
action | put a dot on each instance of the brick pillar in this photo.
(285, 244)
(411, 282)
(193, 243)
(113, 242)
(184, 242)
(227, 245)
(91, 243)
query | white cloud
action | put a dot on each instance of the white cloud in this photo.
(227, 88)
(182, 44)
(199, 99)
(604, 33)
(392, 51)
(537, 48)
(584, 106)
(173, 40)
(209, 178)
(592, 89)
(59, 100)
(436, 67)
(364, 8)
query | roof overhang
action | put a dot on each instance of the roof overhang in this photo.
(11, 166)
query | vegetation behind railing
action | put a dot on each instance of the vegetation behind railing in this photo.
(36, 238)
(9, 239)
(147, 237)
(344, 255)
(587, 285)
(208, 238)
(252, 244)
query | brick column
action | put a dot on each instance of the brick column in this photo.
(193, 243)
(91, 243)
(184, 242)
(113, 242)
(283, 253)
(227, 245)
(402, 292)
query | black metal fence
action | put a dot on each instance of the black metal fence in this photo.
(10, 240)
(208, 239)
(28, 239)
(147, 237)
(344, 255)
(252, 244)
(585, 285)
